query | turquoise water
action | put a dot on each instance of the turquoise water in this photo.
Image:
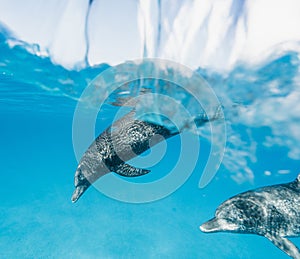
(37, 218)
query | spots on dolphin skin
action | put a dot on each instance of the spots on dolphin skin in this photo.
(272, 211)
(123, 140)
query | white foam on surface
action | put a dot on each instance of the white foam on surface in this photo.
(212, 34)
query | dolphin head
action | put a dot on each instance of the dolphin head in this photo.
(81, 183)
(234, 215)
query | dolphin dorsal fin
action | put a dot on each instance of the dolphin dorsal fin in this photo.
(296, 182)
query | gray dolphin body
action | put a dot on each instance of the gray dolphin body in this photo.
(272, 211)
(122, 141)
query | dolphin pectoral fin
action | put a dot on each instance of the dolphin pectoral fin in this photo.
(130, 171)
(285, 245)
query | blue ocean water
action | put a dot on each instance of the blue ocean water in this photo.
(37, 218)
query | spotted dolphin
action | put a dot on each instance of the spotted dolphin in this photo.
(271, 211)
(123, 140)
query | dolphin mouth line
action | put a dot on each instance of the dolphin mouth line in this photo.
(79, 190)
(210, 226)
(218, 225)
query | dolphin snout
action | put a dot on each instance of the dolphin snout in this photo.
(210, 226)
(79, 190)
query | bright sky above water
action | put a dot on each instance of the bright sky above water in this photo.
(211, 33)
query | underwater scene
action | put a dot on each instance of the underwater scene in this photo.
(150, 129)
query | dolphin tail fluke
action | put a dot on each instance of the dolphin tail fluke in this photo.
(285, 245)
(130, 171)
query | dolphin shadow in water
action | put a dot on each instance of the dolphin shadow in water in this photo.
(271, 211)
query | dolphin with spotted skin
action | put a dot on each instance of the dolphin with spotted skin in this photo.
(123, 140)
(272, 212)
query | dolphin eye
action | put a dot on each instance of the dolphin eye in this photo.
(81, 177)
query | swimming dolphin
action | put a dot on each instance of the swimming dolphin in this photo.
(272, 211)
(124, 139)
